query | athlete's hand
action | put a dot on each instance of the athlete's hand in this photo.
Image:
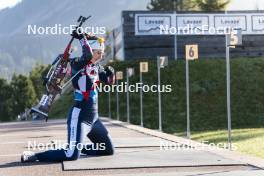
(77, 34)
(110, 73)
(109, 70)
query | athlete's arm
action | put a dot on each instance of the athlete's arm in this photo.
(87, 53)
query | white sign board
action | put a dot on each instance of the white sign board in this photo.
(130, 71)
(150, 24)
(191, 52)
(235, 38)
(193, 21)
(119, 75)
(198, 24)
(257, 22)
(163, 61)
(233, 21)
(143, 67)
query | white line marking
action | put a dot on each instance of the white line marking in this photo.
(35, 133)
(10, 155)
(18, 142)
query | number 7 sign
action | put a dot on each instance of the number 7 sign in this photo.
(162, 61)
(191, 52)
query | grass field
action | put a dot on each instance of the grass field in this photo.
(249, 141)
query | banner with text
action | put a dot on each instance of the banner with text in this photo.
(198, 24)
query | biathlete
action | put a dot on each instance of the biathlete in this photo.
(83, 120)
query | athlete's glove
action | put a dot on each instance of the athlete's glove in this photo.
(109, 71)
(77, 34)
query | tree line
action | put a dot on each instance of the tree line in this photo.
(187, 5)
(21, 92)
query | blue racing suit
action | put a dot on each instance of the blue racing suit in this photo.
(83, 118)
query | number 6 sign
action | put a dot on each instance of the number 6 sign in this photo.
(191, 52)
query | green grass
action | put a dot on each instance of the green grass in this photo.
(249, 140)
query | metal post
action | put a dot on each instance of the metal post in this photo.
(128, 108)
(187, 99)
(117, 102)
(123, 37)
(109, 105)
(228, 93)
(175, 42)
(228, 101)
(141, 103)
(159, 96)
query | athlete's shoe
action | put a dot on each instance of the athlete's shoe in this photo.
(28, 156)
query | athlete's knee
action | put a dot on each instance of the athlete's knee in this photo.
(72, 154)
(74, 157)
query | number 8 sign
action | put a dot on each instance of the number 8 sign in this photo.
(191, 52)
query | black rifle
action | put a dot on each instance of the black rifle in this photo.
(54, 79)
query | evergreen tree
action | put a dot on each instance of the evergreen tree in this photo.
(36, 76)
(5, 103)
(212, 5)
(185, 5)
(171, 5)
(23, 94)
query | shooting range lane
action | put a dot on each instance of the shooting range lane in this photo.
(15, 137)
(136, 153)
(22, 135)
(147, 158)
